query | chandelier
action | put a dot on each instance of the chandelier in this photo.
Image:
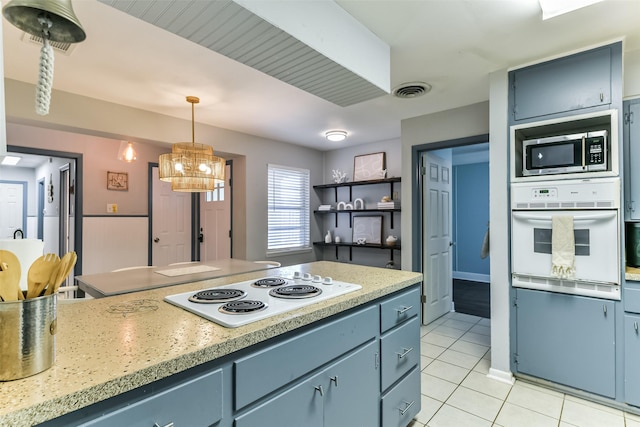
(190, 166)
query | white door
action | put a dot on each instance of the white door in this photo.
(171, 227)
(11, 209)
(215, 221)
(437, 239)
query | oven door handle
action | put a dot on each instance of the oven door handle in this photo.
(547, 218)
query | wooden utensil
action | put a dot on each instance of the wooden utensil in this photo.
(10, 276)
(65, 266)
(40, 273)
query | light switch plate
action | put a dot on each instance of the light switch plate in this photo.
(112, 208)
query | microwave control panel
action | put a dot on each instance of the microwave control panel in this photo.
(595, 151)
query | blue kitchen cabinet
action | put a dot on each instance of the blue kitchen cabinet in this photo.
(566, 339)
(344, 394)
(631, 358)
(631, 134)
(569, 84)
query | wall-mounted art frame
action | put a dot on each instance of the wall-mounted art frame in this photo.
(118, 181)
(368, 227)
(368, 167)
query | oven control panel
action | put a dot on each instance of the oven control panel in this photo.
(597, 193)
(544, 193)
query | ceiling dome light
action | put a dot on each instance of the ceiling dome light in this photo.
(336, 135)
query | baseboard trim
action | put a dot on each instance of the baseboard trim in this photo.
(502, 376)
(474, 277)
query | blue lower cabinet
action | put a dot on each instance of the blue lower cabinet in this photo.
(400, 351)
(631, 359)
(402, 402)
(566, 339)
(346, 393)
(194, 402)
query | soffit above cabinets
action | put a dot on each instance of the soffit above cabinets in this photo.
(327, 57)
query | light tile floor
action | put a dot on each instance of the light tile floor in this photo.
(456, 391)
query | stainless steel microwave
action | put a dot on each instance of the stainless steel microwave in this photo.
(577, 152)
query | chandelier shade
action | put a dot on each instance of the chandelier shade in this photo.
(191, 167)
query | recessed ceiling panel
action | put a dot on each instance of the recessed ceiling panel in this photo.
(231, 30)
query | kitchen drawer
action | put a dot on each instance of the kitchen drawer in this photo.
(402, 402)
(277, 365)
(398, 309)
(197, 402)
(400, 349)
(631, 299)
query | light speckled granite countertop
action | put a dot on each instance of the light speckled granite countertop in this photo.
(632, 273)
(107, 346)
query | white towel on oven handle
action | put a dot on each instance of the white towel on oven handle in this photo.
(563, 248)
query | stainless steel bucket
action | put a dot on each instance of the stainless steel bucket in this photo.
(27, 337)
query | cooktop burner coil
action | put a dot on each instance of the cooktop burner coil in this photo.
(212, 296)
(269, 282)
(242, 307)
(295, 292)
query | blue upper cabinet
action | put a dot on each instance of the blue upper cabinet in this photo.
(584, 81)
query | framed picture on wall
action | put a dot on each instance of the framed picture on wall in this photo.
(118, 181)
(369, 166)
(367, 229)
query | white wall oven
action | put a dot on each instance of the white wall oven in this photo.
(591, 209)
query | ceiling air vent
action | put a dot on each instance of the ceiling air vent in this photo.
(65, 48)
(411, 90)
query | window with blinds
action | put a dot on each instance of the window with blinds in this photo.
(288, 209)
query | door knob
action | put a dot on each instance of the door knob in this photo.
(156, 240)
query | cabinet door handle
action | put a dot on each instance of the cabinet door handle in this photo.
(335, 380)
(635, 326)
(407, 405)
(604, 309)
(403, 310)
(405, 351)
(167, 425)
(601, 97)
(320, 389)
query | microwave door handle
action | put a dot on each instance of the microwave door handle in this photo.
(583, 153)
(547, 218)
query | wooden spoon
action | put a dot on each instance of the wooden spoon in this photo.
(40, 273)
(10, 277)
(65, 266)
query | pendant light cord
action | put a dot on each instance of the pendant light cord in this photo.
(45, 76)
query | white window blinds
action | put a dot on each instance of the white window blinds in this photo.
(288, 209)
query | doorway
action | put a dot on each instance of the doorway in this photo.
(189, 226)
(43, 212)
(453, 225)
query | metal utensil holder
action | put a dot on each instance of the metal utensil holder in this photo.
(27, 336)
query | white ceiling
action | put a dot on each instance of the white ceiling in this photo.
(451, 44)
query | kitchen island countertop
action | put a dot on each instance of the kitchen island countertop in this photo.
(107, 346)
(143, 279)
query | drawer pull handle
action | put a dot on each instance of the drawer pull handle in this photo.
(403, 310)
(405, 351)
(406, 407)
(158, 425)
(319, 389)
(335, 380)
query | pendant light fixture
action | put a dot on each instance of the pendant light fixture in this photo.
(126, 152)
(51, 20)
(190, 166)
